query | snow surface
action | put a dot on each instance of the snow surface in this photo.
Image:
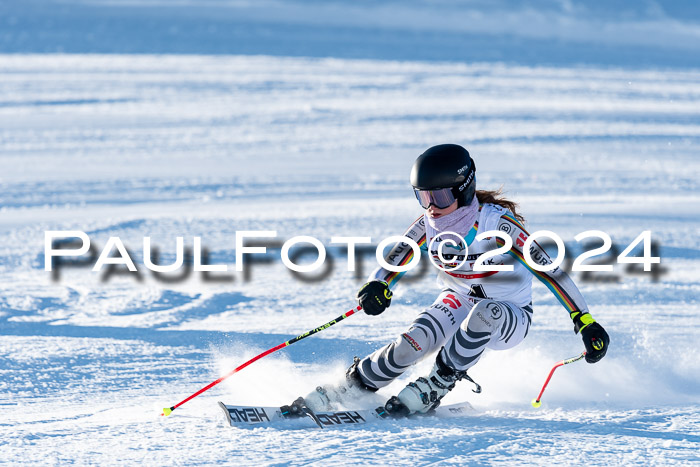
(166, 145)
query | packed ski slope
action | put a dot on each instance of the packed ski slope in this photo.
(167, 146)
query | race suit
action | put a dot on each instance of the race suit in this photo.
(475, 310)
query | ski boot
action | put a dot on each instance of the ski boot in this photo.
(327, 397)
(295, 409)
(354, 379)
(393, 408)
(425, 394)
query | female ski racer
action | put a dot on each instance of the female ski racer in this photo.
(476, 310)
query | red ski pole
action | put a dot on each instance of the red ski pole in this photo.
(168, 410)
(536, 403)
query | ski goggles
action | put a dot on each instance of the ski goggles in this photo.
(441, 198)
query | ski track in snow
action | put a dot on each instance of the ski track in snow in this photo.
(167, 146)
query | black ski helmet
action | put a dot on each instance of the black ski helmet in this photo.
(446, 166)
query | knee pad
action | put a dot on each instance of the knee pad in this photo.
(484, 317)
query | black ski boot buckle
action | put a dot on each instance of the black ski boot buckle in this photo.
(393, 408)
(295, 409)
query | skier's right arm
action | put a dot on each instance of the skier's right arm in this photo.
(375, 296)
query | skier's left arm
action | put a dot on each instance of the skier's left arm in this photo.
(595, 339)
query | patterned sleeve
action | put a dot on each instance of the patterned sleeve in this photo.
(401, 253)
(556, 280)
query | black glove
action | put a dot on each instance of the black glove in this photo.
(374, 297)
(596, 341)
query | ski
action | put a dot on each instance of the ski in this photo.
(252, 416)
(312, 415)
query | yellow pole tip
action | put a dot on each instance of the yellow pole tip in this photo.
(536, 403)
(167, 411)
